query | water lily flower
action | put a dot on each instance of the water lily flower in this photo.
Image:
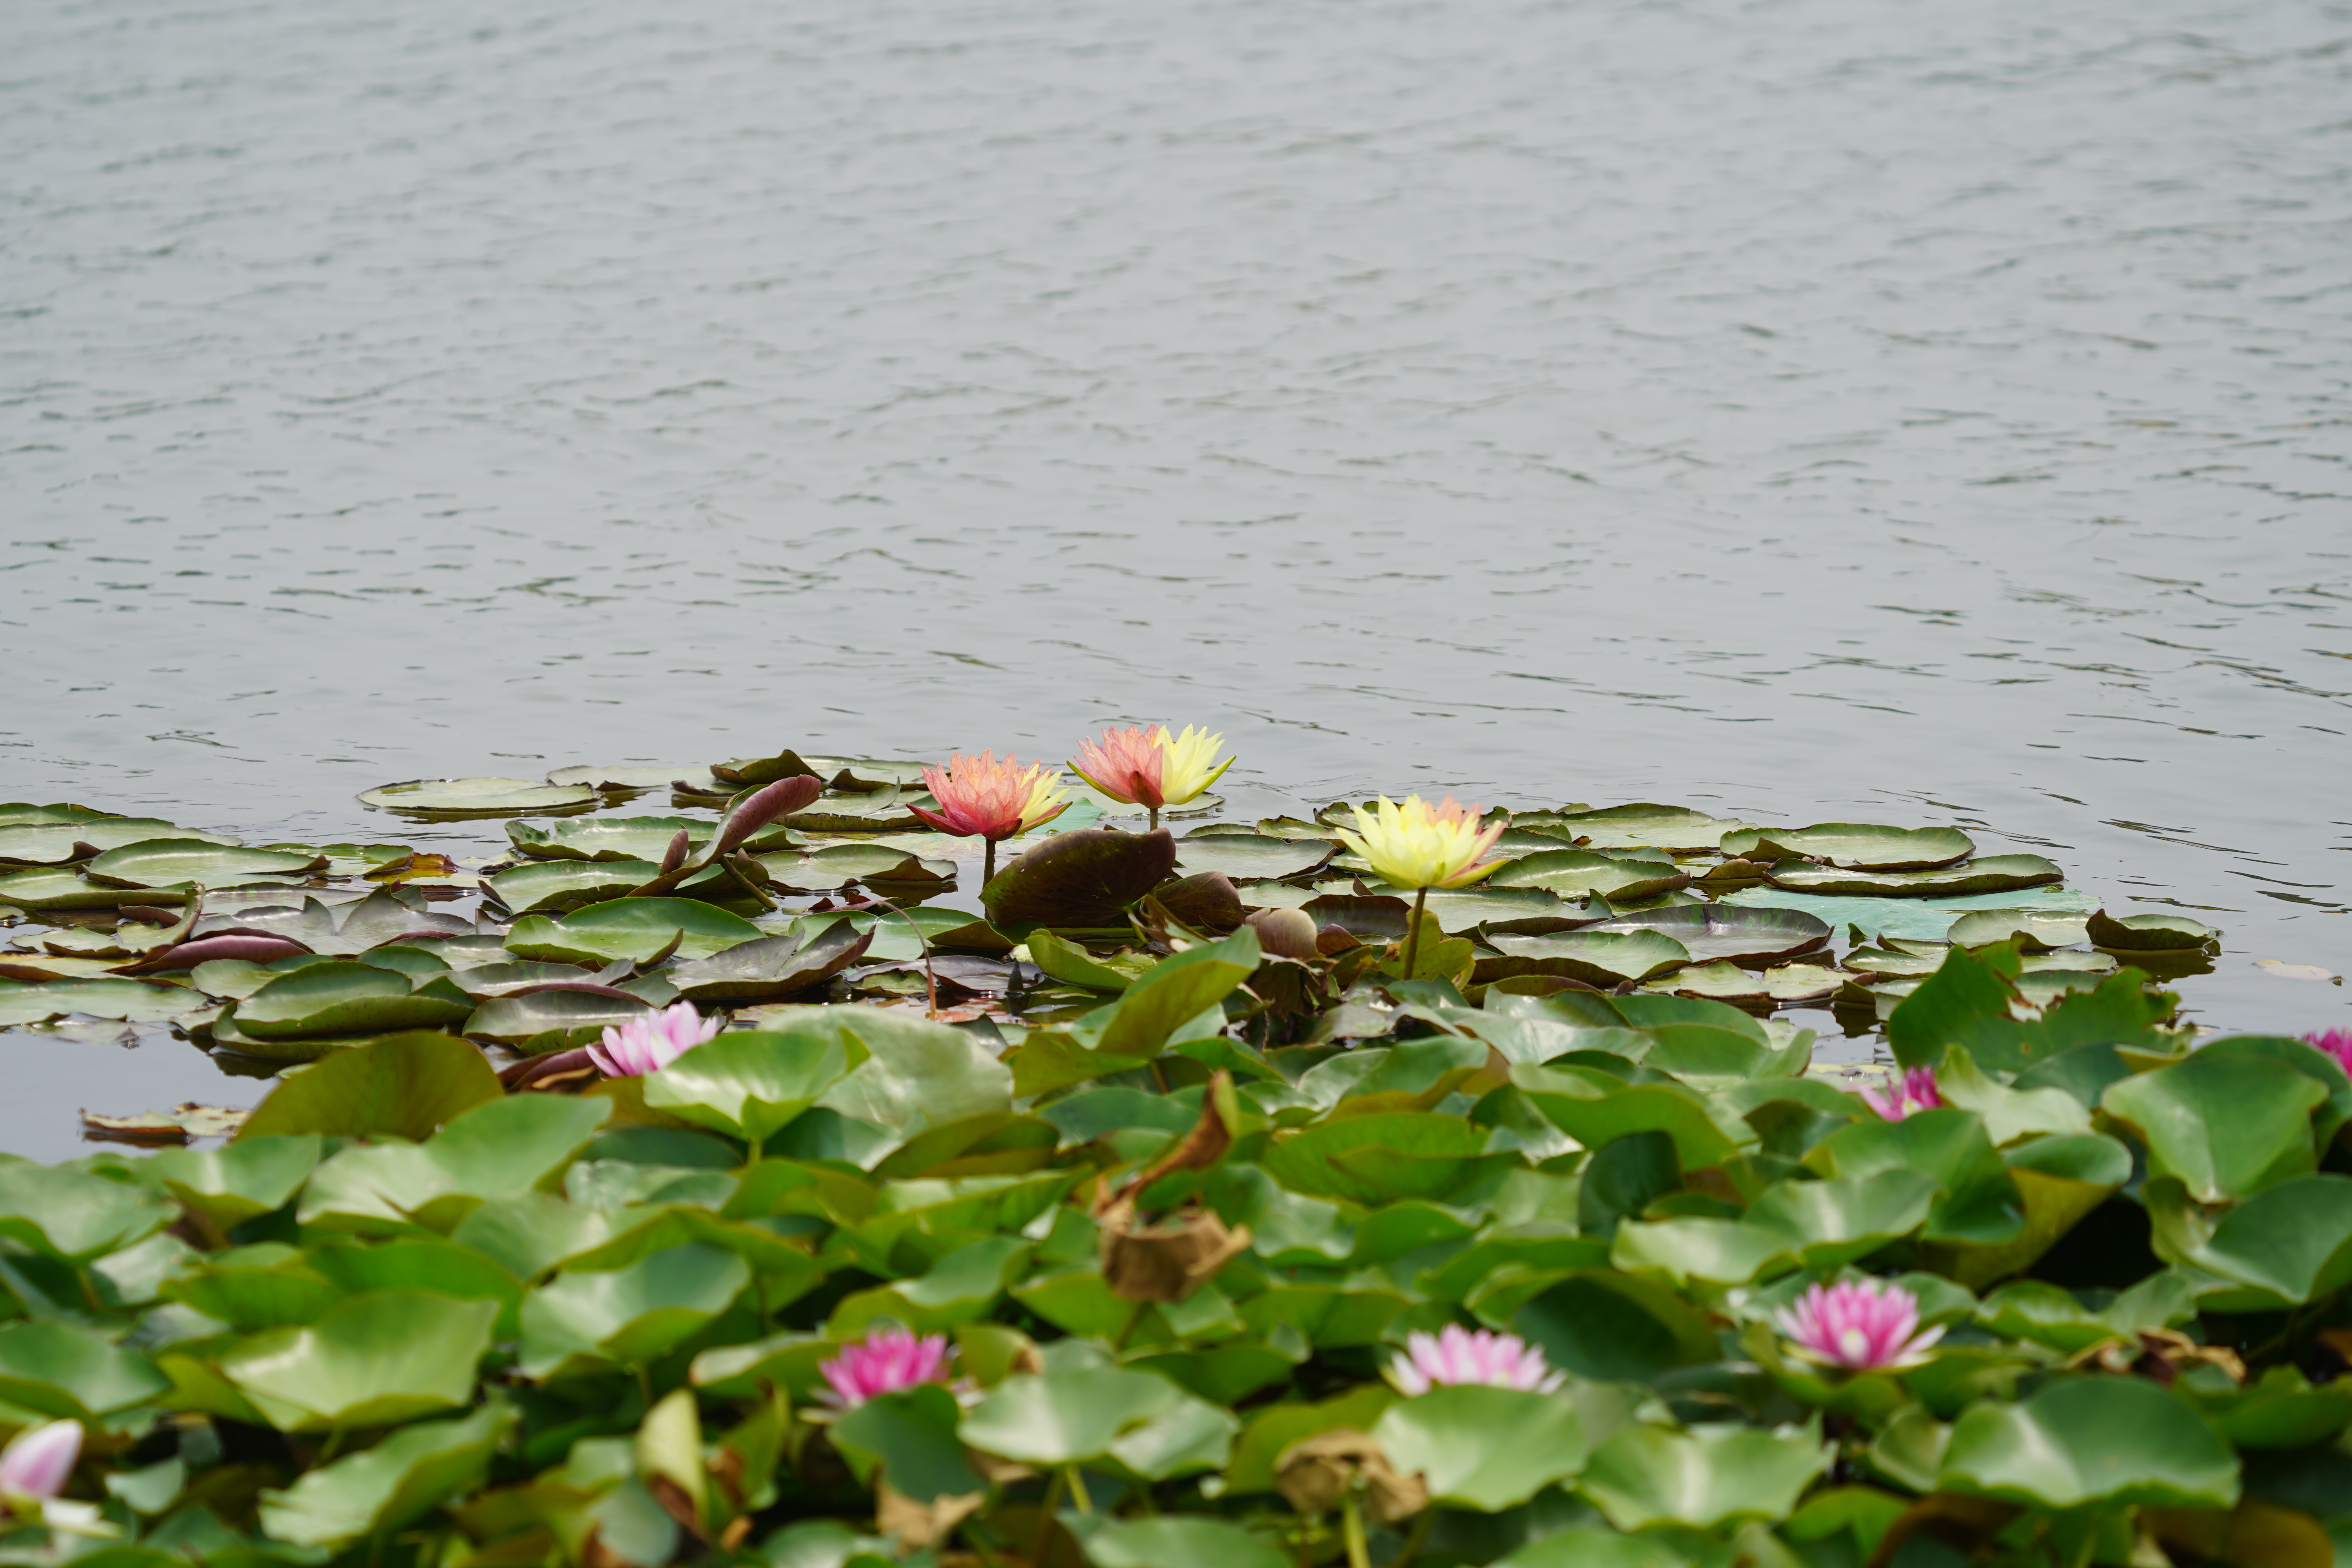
(1858, 1324)
(1475, 1355)
(981, 797)
(1915, 1091)
(1149, 767)
(1419, 846)
(2336, 1042)
(38, 1462)
(885, 1361)
(652, 1041)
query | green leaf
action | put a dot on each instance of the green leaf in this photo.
(609, 837)
(2010, 1114)
(1596, 1324)
(1835, 1222)
(1991, 874)
(1270, 1429)
(1979, 1203)
(454, 800)
(1098, 1413)
(74, 1216)
(1855, 845)
(590, 1320)
(1483, 1448)
(2091, 1440)
(2151, 934)
(372, 1360)
(1596, 1108)
(1175, 991)
(404, 1086)
(384, 1488)
(2286, 1245)
(239, 1181)
(1179, 1540)
(1597, 958)
(1582, 1548)
(1081, 880)
(2224, 1128)
(749, 1084)
(346, 998)
(772, 966)
(631, 929)
(175, 863)
(497, 1148)
(547, 1021)
(912, 1436)
(64, 1371)
(1703, 1478)
(1074, 965)
(914, 1073)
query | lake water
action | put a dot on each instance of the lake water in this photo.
(1807, 409)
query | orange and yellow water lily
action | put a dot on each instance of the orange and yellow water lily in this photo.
(1419, 846)
(980, 797)
(1149, 767)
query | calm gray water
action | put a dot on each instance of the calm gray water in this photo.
(1808, 408)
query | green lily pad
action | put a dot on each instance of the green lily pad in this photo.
(1992, 874)
(492, 1150)
(1908, 919)
(1253, 858)
(770, 966)
(74, 1216)
(339, 997)
(370, 1359)
(1482, 1447)
(1641, 825)
(1137, 1419)
(549, 887)
(58, 842)
(1855, 845)
(1604, 959)
(452, 800)
(695, 776)
(391, 1484)
(177, 863)
(1644, 1476)
(749, 1084)
(590, 1322)
(1577, 873)
(46, 888)
(543, 1021)
(609, 837)
(1081, 880)
(405, 1085)
(2091, 1440)
(2150, 933)
(1792, 986)
(132, 1001)
(69, 1373)
(1711, 933)
(632, 929)
(2034, 931)
(1174, 1540)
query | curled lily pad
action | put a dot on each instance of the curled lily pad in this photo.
(633, 929)
(1085, 879)
(542, 886)
(2150, 933)
(1856, 846)
(1576, 873)
(1642, 825)
(1714, 933)
(1604, 959)
(1993, 874)
(452, 800)
(608, 838)
(770, 966)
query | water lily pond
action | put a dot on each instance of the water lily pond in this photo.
(720, 1176)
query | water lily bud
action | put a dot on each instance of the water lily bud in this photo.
(1314, 1473)
(1285, 933)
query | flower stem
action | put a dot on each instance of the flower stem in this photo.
(1045, 1512)
(1078, 1491)
(1412, 932)
(1419, 1538)
(1352, 1527)
(988, 863)
(1152, 815)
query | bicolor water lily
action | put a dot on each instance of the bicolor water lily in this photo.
(882, 1363)
(1914, 1091)
(652, 1041)
(1858, 1324)
(1457, 1355)
(980, 797)
(1149, 767)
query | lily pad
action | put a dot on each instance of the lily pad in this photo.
(1993, 874)
(537, 1022)
(389, 1485)
(770, 966)
(2151, 934)
(451, 800)
(1712, 933)
(636, 776)
(1906, 919)
(609, 837)
(1576, 874)
(1253, 858)
(543, 887)
(345, 998)
(47, 888)
(632, 929)
(57, 842)
(373, 1358)
(1082, 880)
(1856, 846)
(2034, 931)
(1604, 959)
(1794, 985)
(177, 863)
(132, 1001)
(1641, 824)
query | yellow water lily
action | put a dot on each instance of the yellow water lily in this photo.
(1416, 845)
(1188, 763)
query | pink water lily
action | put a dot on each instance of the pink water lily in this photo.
(651, 1041)
(1124, 764)
(2336, 1042)
(885, 1361)
(1858, 1324)
(983, 798)
(1456, 1355)
(40, 1459)
(1915, 1091)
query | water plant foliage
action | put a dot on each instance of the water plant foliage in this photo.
(1199, 1200)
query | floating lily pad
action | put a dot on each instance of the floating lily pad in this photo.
(1642, 825)
(2035, 931)
(771, 966)
(834, 865)
(1251, 856)
(609, 837)
(1576, 873)
(542, 887)
(633, 929)
(539, 1021)
(1857, 845)
(1713, 934)
(346, 998)
(1526, 912)
(1081, 880)
(1993, 874)
(451, 800)
(131, 1000)
(2150, 933)
(1906, 919)
(1792, 986)
(634, 776)
(65, 888)
(57, 843)
(884, 811)
(1606, 959)
(178, 862)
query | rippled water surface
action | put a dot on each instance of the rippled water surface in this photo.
(1808, 409)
